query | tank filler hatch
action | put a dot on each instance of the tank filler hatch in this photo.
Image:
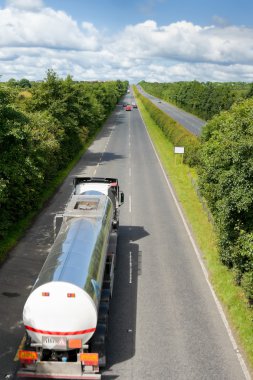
(90, 206)
(86, 205)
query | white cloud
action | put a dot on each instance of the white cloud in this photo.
(89, 27)
(186, 42)
(43, 28)
(25, 4)
(34, 38)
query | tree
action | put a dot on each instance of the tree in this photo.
(226, 178)
(13, 143)
(24, 83)
(41, 130)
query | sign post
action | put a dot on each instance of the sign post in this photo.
(179, 150)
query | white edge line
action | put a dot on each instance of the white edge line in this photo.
(217, 302)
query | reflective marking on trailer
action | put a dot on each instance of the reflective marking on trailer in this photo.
(21, 346)
(87, 331)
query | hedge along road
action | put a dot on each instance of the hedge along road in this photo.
(187, 120)
(164, 323)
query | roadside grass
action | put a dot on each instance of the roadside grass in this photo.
(182, 178)
(16, 233)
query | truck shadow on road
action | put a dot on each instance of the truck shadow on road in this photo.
(123, 305)
(92, 159)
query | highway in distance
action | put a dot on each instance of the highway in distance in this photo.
(164, 322)
(186, 119)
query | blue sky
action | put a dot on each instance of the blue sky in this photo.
(154, 40)
(115, 14)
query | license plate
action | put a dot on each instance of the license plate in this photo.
(54, 342)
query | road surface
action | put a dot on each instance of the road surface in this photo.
(164, 322)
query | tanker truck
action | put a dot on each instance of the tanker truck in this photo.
(66, 314)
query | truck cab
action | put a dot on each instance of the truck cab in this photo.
(107, 186)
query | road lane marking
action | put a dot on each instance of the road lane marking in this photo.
(95, 170)
(129, 147)
(130, 204)
(196, 250)
(130, 268)
(104, 151)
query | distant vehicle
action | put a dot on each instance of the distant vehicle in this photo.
(124, 104)
(134, 105)
(128, 108)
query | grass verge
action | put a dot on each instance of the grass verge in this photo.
(235, 306)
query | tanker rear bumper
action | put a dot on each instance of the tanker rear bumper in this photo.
(59, 370)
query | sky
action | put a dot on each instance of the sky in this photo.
(151, 40)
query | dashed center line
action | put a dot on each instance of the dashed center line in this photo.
(102, 154)
(130, 268)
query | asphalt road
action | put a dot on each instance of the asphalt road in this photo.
(187, 120)
(164, 322)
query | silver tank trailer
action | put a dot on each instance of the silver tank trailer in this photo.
(65, 298)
